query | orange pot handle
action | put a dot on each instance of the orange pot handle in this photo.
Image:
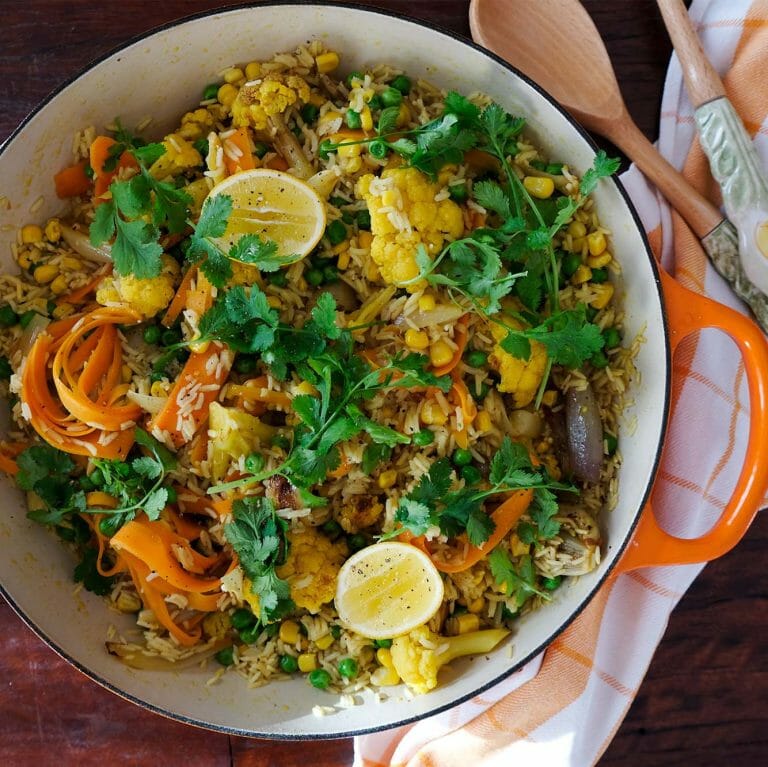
(688, 312)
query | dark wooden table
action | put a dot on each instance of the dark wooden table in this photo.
(705, 698)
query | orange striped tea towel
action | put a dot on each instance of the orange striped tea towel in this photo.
(564, 707)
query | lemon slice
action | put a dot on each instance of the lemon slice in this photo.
(275, 205)
(388, 589)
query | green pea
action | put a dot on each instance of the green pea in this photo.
(423, 438)
(354, 76)
(476, 359)
(97, 477)
(599, 275)
(26, 318)
(375, 102)
(86, 483)
(250, 634)
(336, 232)
(210, 91)
(335, 631)
(611, 443)
(363, 219)
(348, 217)
(461, 457)
(326, 148)
(599, 360)
(281, 441)
(481, 392)
(289, 664)
(278, 278)
(378, 149)
(471, 475)
(309, 113)
(319, 678)
(170, 337)
(348, 668)
(391, 97)
(242, 618)
(314, 277)
(571, 262)
(245, 363)
(550, 584)
(152, 334)
(458, 192)
(332, 529)
(226, 656)
(260, 148)
(330, 273)
(357, 542)
(337, 201)
(612, 337)
(8, 317)
(353, 119)
(254, 463)
(382, 643)
(6, 371)
(402, 84)
(171, 494)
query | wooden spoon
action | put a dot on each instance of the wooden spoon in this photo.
(538, 38)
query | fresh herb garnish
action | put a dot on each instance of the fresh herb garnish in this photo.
(259, 538)
(520, 582)
(88, 574)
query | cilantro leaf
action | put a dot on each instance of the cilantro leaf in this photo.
(47, 472)
(414, 516)
(602, 167)
(521, 582)
(542, 511)
(103, 225)
(492, 197)
(170, 205)
(324, 316)
(479, 527)
(147, 467)
(214, 216)
(136, 249)
(373, 455)
(87, 573)
(387, 120)
(256, 251)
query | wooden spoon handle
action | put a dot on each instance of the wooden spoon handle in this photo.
(701, 79)
(699, 212)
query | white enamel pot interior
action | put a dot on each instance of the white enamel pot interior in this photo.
(161, 75)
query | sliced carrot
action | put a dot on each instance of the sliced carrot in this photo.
(186, 408)
(480, 160)
(342, 469)
(278, 162)
(72, 181)
(194, 503)
(240, 141)
(8, 453)
(99, 155)
(460, 337)
(83, 294)
(180, 299)
(200, 299)
(255, 390)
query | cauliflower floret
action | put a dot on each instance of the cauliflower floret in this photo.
(519, 377)
(312, 568)
(256, 102)
(232, 434)
(148, 297)
(196, 124)
(404, 215)
(359, 512)
(419, 655)
(179, 156)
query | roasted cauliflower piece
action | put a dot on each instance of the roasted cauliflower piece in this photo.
(419, 655)
(520, 378)
(148, 297)
(266, 97)
(179, 156)
(359, 512)
(312, 568)
(232, 434)
(405, 215)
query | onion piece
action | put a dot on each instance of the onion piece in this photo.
(287, 145)
(585, 433)
(324, 181)
(147, 402)
(345, 295)
(132, 655)
(80, 242)
(440, 315)
(524, 423)
(37, 325)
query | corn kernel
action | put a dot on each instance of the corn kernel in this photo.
(233, 74)
(577, 244)
(329, 117)
(540, 188)
(348, 151)
(340, 248)
(582, 274)
(462, 624)
(216, 625)
(324, 642)
(549, 397)
(596, 243)
(24, 261)
(317, 99)
(126, 374)
(127, 602)
(432, 414)
(446, 174)
(274, 302)
(62, 311)
(384, 657)
(289, 632)
(53, 230)
(577, 229)
(31, 233)
(366, 119)
(461, 438)
(59, 285)
(596, 262)
(305, 387)
(440, 353)
(604, 293)
(403, 115)
(427, 302)
(252, 70)
(343, 260)
(45, 273)
(307, 662)
(353, 165)
(364, 240)
(372, 272)
(72, 263)
(159, 389)
(199, 347)
(327, 62)
(385, 677)
(387, 479)
(226, 94)
(416, 339)
(483, 421)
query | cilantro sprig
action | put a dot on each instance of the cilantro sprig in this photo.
(520, 582)
(259, 538)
